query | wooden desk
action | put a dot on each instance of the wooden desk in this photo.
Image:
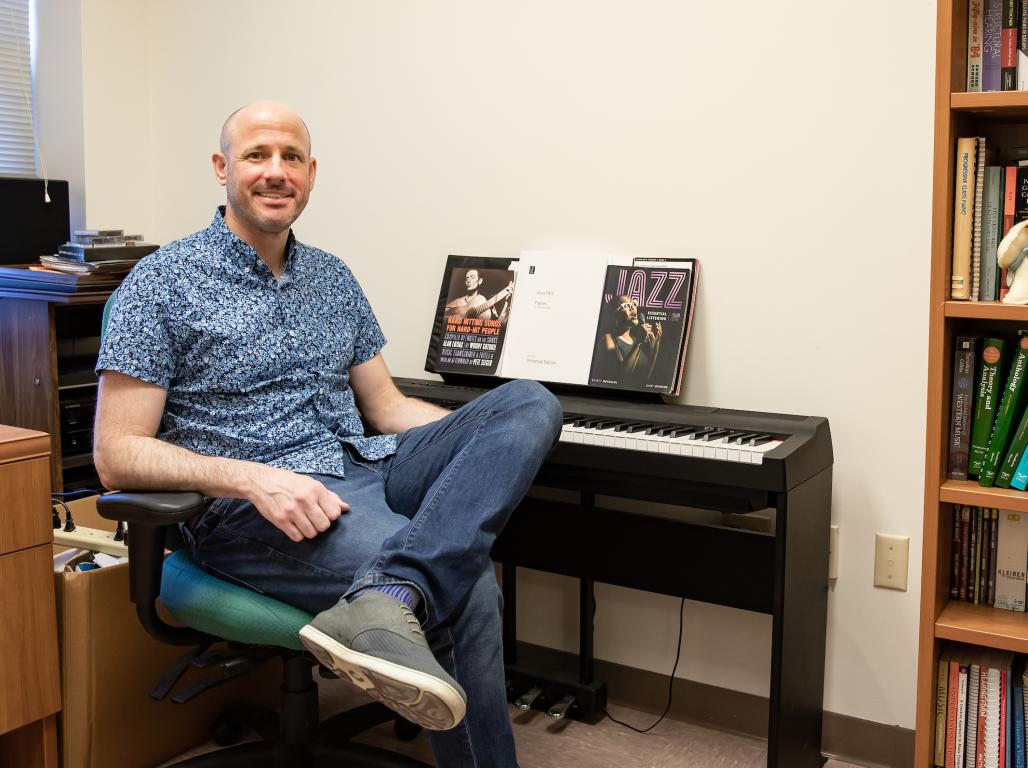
(30, 685)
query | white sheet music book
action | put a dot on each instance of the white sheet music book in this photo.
(556, 302)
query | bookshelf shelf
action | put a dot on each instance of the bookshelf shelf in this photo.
(993, 103)
(982, 625)
(986, 310)
(969, 492)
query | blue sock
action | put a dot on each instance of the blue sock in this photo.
(404, 594)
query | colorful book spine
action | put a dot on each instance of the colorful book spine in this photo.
(1017, 701)
(962, 406)
(1020, 478)
(1011, 560)
(1008, 45)
(964, 552)
(1014, 453)
(975, 32)
(1021, 193)
(992, 200)
(971, 739)
(994, 534)
(1008, 406)
(960, 287)
(983, 557)
(992, 12)
(940, 712)
(988, 381)
(954, 578)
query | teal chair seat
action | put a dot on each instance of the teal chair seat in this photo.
(211, 605)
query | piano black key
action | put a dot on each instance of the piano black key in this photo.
(683, 431)
(657, 429)
(626, 426)
(717, 434)
(760, 439)
(642, 426)
(743, 437)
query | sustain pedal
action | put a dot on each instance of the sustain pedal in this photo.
(559, 710)
(525, 700)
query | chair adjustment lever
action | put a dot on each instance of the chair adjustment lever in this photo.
(175, 671)
(230, 668)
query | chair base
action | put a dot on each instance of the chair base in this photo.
(302, 741)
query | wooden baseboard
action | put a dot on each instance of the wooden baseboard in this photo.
(850, 739)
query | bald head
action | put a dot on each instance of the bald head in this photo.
(256, 114)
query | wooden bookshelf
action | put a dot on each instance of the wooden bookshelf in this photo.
(1003, 119)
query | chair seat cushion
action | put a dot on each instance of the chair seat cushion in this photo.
(205, 602)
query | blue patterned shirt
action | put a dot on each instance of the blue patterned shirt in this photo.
(256, 368)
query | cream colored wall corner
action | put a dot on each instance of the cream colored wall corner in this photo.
(787, 145)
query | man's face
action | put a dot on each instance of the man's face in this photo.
(472, 280)
(267, 170)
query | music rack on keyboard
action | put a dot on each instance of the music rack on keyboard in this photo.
(690, 456)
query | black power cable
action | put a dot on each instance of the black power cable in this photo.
(670, 684)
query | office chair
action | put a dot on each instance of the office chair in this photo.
(210, 610)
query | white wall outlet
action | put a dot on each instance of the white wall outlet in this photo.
(833, 552)
(891, 554)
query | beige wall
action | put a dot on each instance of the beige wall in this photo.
(787, 145)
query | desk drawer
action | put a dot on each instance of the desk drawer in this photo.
(25, 504)
(28, 638)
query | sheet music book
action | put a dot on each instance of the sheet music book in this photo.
(570, 318)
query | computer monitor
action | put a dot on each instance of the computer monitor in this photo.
(29, 226)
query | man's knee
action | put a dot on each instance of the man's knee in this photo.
(535, 407)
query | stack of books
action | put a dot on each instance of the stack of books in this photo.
(98, 250)
(997, 45)
(979, 708)
(990, 553)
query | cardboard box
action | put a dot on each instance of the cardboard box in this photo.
(108, 665)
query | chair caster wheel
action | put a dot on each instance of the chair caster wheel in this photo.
(225, 732)
(405, 730)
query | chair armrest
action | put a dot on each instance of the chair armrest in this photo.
(148, 508)
(148, 514)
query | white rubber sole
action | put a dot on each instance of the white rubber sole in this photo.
(419, 697)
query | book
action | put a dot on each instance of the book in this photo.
(1011, 560)
(955, 541)
(97, 253)
(961, 411)
(1009, 405)
(1017, 721)
(472, 319)
(941, 685)
(992, 13)
(984, 561)
(960, 287)
(974, 568)
(1014, 453)
(992, 218)
(975, 32)
(1008, 44)
(1020, 478)
(976, 218)
(988, 386)
(994, 539)
(641, 325)
(98, 232)
(961, 725)
(965, 550)
(971, 711)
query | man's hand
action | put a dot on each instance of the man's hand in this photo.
(297, 505)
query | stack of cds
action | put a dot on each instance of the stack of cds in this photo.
(99, 250)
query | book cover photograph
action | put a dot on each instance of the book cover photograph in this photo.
(641, 328)
(471, 317)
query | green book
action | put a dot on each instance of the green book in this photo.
(986, 394)
(1009, 406)
(1014, 453)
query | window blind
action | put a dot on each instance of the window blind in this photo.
(17, 143)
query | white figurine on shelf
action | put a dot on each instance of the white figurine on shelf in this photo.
(1010, 256)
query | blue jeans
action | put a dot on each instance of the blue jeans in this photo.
(425, 517)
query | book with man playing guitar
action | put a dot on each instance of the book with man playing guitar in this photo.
(566, 318)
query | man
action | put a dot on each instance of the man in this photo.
(234, 364)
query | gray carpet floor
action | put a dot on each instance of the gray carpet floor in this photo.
(545, 743)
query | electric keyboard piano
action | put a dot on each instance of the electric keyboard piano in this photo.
(689, 456)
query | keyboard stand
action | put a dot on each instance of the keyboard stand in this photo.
(784, 574)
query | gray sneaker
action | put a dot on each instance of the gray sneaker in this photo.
(377, 643)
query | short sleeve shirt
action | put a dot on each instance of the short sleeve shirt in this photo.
(256, 368)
